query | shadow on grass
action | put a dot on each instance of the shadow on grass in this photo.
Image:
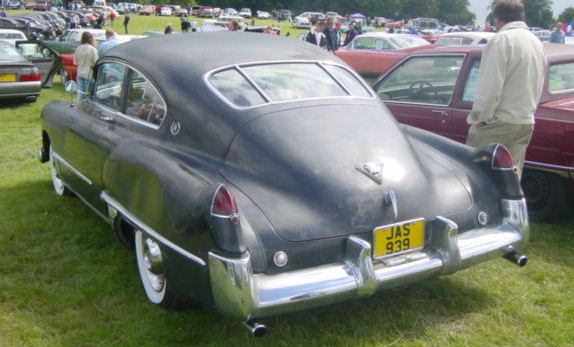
(59, 256)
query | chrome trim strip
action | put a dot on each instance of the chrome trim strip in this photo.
(208, 74)
(415, 103)
(71, 168)
(101, 215)
(339, 83)
(253, 83)
(116, 205)
(549, 166)
(241, 294)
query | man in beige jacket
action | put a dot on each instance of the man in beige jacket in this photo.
(509, 84)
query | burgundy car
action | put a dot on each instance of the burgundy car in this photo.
(434, 89)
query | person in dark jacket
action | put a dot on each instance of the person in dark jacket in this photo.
(332, 36)
(315, 35)
(126, 22)
(350, 34)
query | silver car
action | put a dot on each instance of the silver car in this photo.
(19, 78)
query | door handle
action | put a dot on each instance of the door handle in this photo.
(107, 118)
(440, 112)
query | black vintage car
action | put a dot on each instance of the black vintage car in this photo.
(261, 175)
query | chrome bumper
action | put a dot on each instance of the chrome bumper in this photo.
(239, 293)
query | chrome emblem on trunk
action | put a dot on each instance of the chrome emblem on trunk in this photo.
(372, 170)
(391, 201)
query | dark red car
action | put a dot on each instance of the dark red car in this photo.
(434, 89)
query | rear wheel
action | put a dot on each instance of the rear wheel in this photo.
(151, 266)
(547, 196)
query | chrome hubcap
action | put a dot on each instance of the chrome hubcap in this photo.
(153, 262)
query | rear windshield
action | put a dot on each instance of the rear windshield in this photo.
(253, 85)
(561, 78)
(8, 51)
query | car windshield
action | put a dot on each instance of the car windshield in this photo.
(8, 52)
(257, 84)
(561, 78)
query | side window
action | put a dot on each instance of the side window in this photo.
(109, 85)
(364, 43)
(427, 80)
(144, 102)
(470, 85)
(383, 44)
(74, 36)
(561, 78)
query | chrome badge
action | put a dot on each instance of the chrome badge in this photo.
(391, 201)
(372, 170)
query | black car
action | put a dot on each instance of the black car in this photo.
(261, 175)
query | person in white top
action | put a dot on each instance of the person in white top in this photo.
(315, 35)
(85, 57)
(509, 84)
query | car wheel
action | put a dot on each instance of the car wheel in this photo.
(59, 185)
(151, 266)
(546, 195)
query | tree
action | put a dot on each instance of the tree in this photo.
(567, 15)
(538, 13)
(456, 12)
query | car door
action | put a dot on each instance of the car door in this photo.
(91, 135)
(43, 57)
(419, 91)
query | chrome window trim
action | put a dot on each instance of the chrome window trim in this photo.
(416, 103)
(126, 116)
(71, 168)
(148, 230)
(339, 83)
(253, 83)
(209, 73)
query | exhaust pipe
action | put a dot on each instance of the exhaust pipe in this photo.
(256, 329)
(514, 257)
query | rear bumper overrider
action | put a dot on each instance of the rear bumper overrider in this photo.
(240, 294)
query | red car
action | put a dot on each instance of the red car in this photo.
(374, 53)
(434, 89)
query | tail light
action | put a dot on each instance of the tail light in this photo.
(30, 75)
(502, 159)
(224, 205)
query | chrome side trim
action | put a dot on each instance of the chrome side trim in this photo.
(558, 169)
(124, 212)
(71, 168)
(243, 295)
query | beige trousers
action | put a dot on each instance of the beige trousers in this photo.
(515, 137)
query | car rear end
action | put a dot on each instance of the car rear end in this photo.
(19, 79)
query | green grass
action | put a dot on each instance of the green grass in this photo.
(65, 281)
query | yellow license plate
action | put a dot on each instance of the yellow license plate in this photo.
(398, 238)
(7, 77)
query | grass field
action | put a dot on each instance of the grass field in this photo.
(65, 281)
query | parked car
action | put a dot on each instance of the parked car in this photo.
(263, 15)
(70, 39)
(245, 12)
(13, 5)
(194, 11)
(11, 36)
(19, 79)
(274, 180)
(434, 88)
(166, 11)
(373, 53)
(147, 10)
(42, 5)
(181, 12)
(303, 21)
(45, 59)
(205, 11)
(468, 38)
(229, 12)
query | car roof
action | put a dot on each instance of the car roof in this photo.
(471, 34)
(385, 35)
(219, 49)
(11, 31)
(553, 52)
